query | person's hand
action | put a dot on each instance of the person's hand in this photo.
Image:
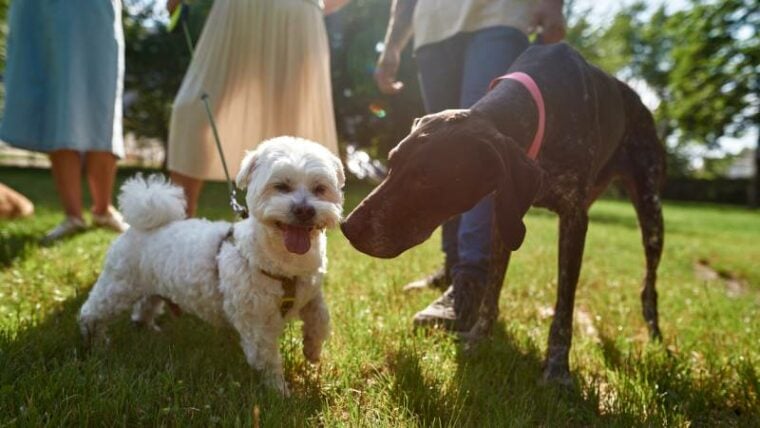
(548, 16)
(386, 70)
(171, 5)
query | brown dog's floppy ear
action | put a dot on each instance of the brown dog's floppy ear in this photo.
(420, 121)
(517, 183)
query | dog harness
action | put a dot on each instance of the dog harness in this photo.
(535, 92)
(288, 283)
(288, 298)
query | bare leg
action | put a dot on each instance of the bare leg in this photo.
(192, 187)
(67, 170)
(101, 174)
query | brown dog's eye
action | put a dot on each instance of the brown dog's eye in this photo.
(282, 188)
(320, 189)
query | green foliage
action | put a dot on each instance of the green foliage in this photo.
(364, 116)
(701, 62)
(716, 64)
(377, 371)
(156, 63)
(4, 6)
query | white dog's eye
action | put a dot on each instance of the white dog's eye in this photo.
(319, 189)
(283, 187)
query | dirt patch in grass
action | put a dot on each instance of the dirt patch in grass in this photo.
(735, 286)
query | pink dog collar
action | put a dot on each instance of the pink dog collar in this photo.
(535, 92)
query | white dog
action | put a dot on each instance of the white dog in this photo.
(255, 274)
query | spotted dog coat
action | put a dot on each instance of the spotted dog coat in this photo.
(596, 129)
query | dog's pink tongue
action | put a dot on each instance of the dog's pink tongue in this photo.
(297, 239)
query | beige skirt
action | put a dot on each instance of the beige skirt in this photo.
(266, 68)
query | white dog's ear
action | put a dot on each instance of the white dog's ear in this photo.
(246, 169)
(339, 172)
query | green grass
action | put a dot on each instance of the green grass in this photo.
(376, 370)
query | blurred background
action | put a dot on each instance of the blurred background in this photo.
(695, 64)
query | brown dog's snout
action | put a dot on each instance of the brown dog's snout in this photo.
(304, 212)
(352, 229)
(366, 233)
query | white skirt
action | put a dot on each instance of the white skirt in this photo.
(265, 65)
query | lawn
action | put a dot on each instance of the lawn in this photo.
(376, 370)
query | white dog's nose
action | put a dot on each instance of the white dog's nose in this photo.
(304, 212)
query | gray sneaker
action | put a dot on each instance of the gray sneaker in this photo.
(438, 314)
(440, 279)
(456, 309)
(68, 227)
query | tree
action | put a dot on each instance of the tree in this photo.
(714, 77)
(701, 62)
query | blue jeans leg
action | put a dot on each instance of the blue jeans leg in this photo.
(440, 74)
(488, 55)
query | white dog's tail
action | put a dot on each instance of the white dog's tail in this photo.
(151, 203)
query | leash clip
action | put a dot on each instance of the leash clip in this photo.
(239, 210)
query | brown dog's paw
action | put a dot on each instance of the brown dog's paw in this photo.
(557, 375)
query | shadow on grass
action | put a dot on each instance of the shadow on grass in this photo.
(705, 394)
(191, 374)
(624, 220)
(16, 245)
(496, 384)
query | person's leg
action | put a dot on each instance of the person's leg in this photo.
(440, 75)
(101, 174)
(490, 52)
(192, 187)
(66, 167)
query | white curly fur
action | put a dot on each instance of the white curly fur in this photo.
(152, 203)
(191, 264)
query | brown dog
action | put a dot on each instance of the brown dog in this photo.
(13, 204)
(596, 129)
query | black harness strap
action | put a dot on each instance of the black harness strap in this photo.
(288, 283)
(228, 237)
(289, 291)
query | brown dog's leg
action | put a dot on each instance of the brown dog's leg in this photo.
(489, 307)
(572, 237)
(643, 192)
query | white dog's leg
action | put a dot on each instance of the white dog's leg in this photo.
(316, 327)
(146, 310)
(262, 350)
(107, 299)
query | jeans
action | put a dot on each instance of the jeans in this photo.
(456, 73)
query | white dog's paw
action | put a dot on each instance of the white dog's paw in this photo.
(312, 350)
(93, 333)
(278, 383)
